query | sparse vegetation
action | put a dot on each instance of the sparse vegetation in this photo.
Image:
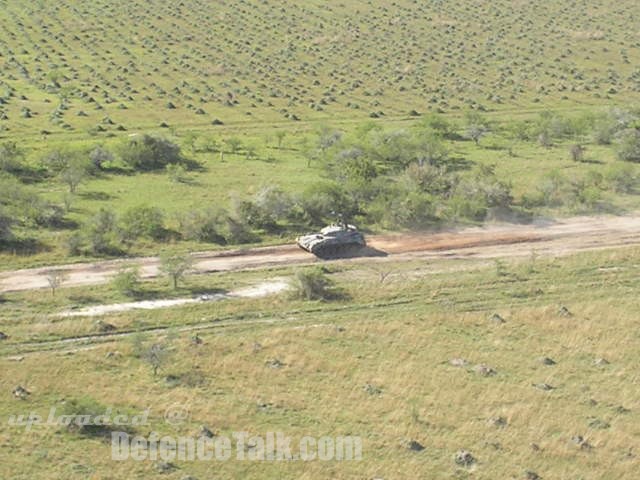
(128, 129)
(312, 284)
(175, 267)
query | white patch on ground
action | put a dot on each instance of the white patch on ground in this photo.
(261, 290)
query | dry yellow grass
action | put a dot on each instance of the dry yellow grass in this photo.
(329, 355)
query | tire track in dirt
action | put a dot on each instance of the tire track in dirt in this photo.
(560, 237)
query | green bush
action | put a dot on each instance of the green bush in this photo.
(146, 152)
(177, 173)
(86, 410)
(474, 196)
(11, 157)
(413, 210)
(628, 145)
(6, 222)
(322, 202)
(622, 178)
(238, 231)
(143, 221)
(604, 130)
(311, 284)
(127, 281)
(102, 232)
(26, 207)
(175, 266)
(203, 225)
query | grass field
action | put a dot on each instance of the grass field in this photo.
(260, 63)
(362, 108)
(376, 364)
(268, 76)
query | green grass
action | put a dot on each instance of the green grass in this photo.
(257, 63)
(293, 67)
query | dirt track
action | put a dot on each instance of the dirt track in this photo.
(495, 241)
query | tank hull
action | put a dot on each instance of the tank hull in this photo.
(333, 242)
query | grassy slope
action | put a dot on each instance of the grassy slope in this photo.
(381, 57)
(384, 57)
(403, 346)
(387, 56)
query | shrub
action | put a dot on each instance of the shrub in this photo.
(56, 160)
(311, 284)
(177, 173)
(474, 196)
(439, 124)
(10, 157)
(428, 178)
(322, 202)
(84, 413)
(551, 191)
(203, 225)
(628, 145)
(584, 196)
(622, 178)
(604, 130)
(476, 126)
(27, 207)
(99, 156)
(250, 213)
(145, 152)
(102, 232)
(127, 280)
(157, 356)
(274, 203)
(413, 210)
(6, 222)
(237, 230)
(73, 243)
(143, 221)
(352, 165)
(75, 172)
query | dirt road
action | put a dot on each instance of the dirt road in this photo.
(494, 241)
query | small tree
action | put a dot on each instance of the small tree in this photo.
(55, 278)
(73, 174)
(190, 140)
(327, 138)
(175, 267)
(280, 134)
(157, 356)
(476, 126)
(202, 225)
(234, 144)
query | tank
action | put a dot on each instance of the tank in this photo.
(334, 241)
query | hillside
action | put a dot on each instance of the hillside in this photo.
(159, 161)
(66, 66)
